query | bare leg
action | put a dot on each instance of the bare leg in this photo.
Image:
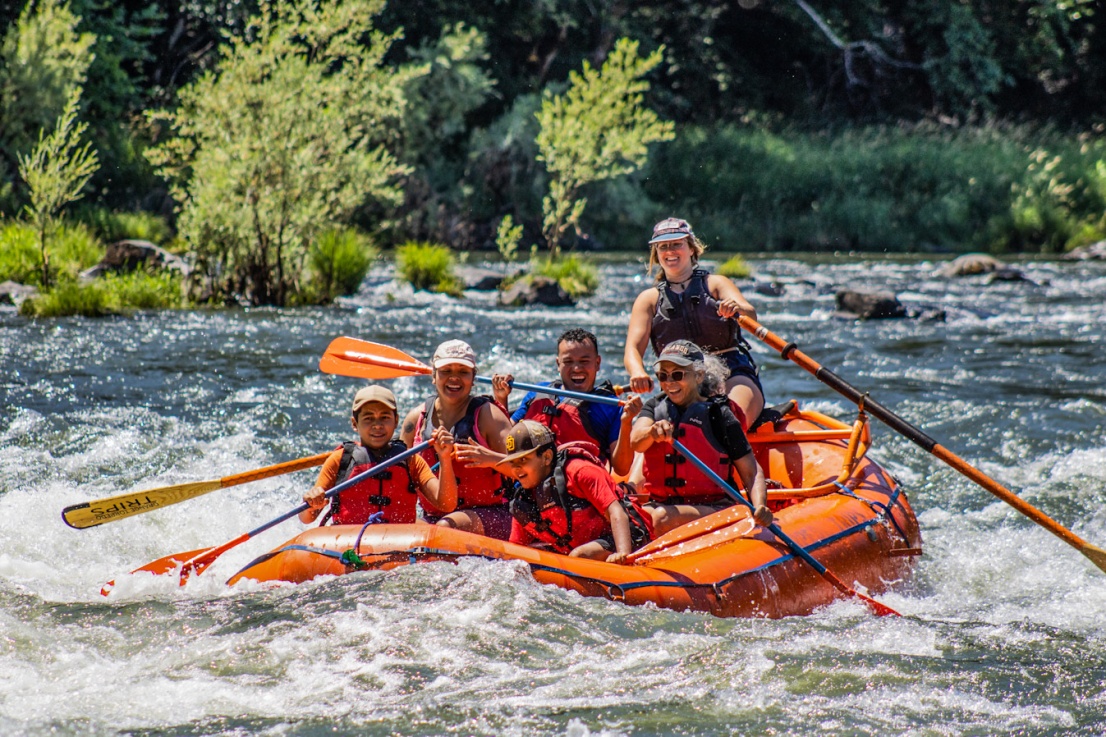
(463, 520)
(744, 393)
(592, 551)
(667, 517)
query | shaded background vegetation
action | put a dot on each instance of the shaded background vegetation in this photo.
(938, 125)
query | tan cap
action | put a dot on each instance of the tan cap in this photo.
(374, 393)
(526, 437)
(454, 351)
(681, 353)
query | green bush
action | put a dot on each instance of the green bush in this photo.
(735, 268)
(19, 256)
(428, 266)
(920, 188)
(339, 259)
(110, 295)
(70, 298)
(141, 291)
(73, 248)
(117, 226)
(579, 278)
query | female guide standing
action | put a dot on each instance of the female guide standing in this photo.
(689, 303)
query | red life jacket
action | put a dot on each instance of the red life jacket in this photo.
(476, 487)
(555, 515)
(670, 478)
(392, 492)
(570, 420)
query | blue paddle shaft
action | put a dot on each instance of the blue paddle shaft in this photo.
(600, 398)
(733, 493)
(344, 485)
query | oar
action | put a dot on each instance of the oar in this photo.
(367, 360)
(881, 610)
(196, 561)
(121, 506)
(789, 351)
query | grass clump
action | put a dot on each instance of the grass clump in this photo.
(576, 276)
(119, 226)
(73, 248)
(339, 259)
(112, 294)
(735, 267)
(428, 266)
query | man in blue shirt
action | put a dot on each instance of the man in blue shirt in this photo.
(605, 427)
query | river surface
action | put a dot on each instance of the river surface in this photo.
(1004, 626)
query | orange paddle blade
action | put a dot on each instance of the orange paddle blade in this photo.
(161, 566)
(367, 360)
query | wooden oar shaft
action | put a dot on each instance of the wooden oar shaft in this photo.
(799, 550)
(791, 352)
(121, 506)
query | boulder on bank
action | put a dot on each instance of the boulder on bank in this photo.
(540, 290)
(881, 305)
(123, 257)
(13, 293)
(1093, 252)
(482, 280)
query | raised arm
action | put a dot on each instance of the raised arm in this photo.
(637, 341)
(622, 452)
(731, 300)
(407, 431)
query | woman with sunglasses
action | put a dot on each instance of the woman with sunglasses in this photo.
(690, 303)
(706, 425)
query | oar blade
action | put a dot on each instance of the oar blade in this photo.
(367, 360)
(1096, 555)
(161, 566)
(879, 609)
(110, 509)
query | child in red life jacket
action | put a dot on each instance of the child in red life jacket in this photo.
(393, 492)
(693, 410)
(567, 501)
(605, 426)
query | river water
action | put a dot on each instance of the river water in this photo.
(1004, 626)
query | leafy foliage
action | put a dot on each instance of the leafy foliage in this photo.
(507, 238)
(43, 60)
(55, 172)
(428, 266)
(578, 277)
(735, 267)
(339, 259)
(287, 137)
(599, 129)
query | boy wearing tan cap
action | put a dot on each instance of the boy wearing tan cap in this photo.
(568, 502)
(393, 493)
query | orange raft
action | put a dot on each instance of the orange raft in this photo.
(847, 511)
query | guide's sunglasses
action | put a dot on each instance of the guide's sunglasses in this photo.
(663, 376)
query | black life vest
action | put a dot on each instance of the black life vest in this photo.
(709, 430)
(393, 492)
(476, 487)
(570, 418)
(693, 315)
(555, 515)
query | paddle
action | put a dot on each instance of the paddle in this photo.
(879, 609)
(121, 506)
(367, 360)
(789, 351)
(198, 560)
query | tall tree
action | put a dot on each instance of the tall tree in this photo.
(287, 136)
